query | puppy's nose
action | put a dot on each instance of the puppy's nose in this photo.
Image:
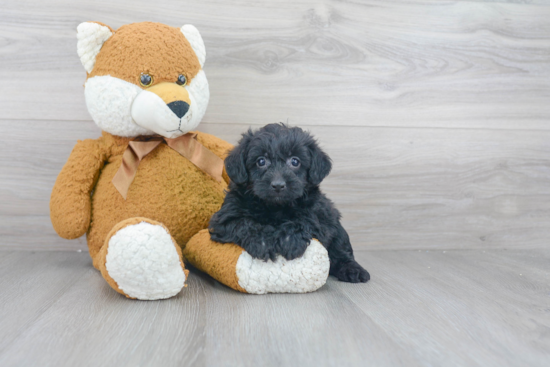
(179, 108)
(278, 185)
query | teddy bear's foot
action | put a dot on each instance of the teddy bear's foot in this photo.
(301, 275)
(234, 267)
(141, 260)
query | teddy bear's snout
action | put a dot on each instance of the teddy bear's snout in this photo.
(179, 108)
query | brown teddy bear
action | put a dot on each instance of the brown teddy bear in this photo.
(149, 184)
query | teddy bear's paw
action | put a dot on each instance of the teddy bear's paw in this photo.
(301, 275)
(143, 261)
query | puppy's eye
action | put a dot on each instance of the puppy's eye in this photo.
(182, 80)
(294, 162)
(261, 162)
(145, 80)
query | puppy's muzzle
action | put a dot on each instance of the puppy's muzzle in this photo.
(278, 185)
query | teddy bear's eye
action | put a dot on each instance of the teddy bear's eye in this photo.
(182, 80)
(145, 80)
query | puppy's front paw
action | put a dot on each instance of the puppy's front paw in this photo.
(258, 248)
(350, 272)
(293, 246)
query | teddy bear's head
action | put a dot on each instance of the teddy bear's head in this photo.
(144, 78)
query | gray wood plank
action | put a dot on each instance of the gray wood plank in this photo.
(396, 187)
(91, 324)
(452, 308)
(31, 283)
(319, 329)
(461, 308)
(207, 324)
(369, 63)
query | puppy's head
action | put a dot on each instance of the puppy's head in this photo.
(277, 163)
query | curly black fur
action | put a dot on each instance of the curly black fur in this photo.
(274, 205)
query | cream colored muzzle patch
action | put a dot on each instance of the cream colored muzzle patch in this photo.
(165, 108)
(170, 92)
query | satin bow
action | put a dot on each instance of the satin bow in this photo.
(186, 145)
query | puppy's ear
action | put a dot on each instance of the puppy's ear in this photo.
(320, 164)
(235, 162)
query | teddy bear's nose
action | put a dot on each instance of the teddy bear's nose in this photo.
(179, 108)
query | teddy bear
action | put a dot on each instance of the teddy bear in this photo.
(143, 192)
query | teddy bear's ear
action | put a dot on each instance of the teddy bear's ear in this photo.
(91, 37)
(194, 37)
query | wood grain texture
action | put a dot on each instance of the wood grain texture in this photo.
(453, 308)
(364, 63)
(397, 188)
(30, 284)
(461, 308)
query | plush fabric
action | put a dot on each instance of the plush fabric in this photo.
(70, 203)
(234, 267)
(91, 37)
(116, 100)
(192, 35)
(216, 259)
(304, 274)
(109, 101)
(167, 188)
(141, 260)
(136, 241)
(135, 48)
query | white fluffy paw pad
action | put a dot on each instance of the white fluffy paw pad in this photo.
(144, 263)
(304, 274)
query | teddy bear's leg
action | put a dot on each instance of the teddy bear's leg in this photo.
(140, 259)
(234, 267)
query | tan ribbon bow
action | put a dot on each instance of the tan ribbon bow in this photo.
(186, 145)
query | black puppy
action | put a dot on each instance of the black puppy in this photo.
(274, 204)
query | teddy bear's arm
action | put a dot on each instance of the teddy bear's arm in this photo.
(218, 146)
(70, 203)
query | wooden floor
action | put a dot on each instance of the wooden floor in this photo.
(421, 308)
